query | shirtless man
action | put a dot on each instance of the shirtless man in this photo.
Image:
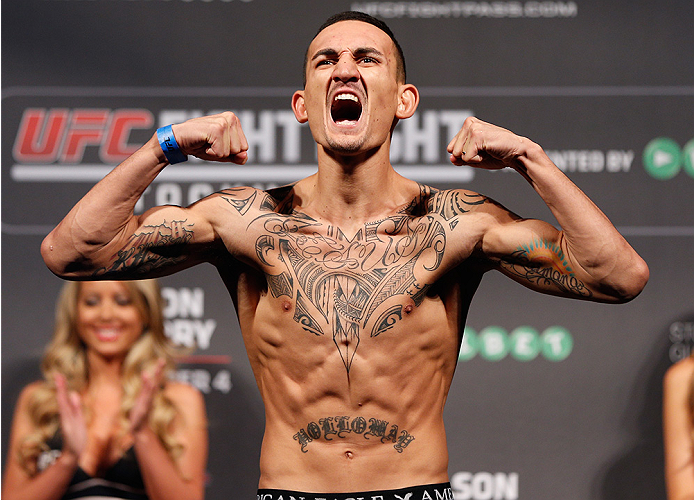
(351, 286)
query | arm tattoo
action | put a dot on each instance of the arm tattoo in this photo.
(544, 264)
(153, 248)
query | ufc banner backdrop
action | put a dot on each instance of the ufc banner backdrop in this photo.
(553, 398)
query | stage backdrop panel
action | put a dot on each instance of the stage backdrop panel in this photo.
(552, 398)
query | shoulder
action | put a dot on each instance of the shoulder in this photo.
(27, 404)
(30, 391)
(181, 392)
(186, 398)
(247, 199)
(452, 202)
(680, 375)
(239, 198)
(478, 213)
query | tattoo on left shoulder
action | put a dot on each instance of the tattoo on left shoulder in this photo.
(452, 203)
(544, 263)
(329, 428)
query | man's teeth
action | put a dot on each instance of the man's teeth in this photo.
(346, 97)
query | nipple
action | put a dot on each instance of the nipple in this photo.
(408, 308)
(286, 305)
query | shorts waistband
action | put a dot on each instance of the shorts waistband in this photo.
(441, 491)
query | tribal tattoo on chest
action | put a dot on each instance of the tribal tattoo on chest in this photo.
(339, 283)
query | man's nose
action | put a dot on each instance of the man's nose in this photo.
(346, 69)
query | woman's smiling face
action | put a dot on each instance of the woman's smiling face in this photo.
(108, 320)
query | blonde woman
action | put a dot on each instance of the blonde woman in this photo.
(105, 422)
(678, 429)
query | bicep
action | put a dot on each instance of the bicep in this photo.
(534, 253)
(167, 239)
(161, 241)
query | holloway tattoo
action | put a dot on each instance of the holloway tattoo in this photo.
(329, 428)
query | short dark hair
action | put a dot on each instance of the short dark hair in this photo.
(352, 15)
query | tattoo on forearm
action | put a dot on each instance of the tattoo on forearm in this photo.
(330, 428)
(153, 248)
(544, 263)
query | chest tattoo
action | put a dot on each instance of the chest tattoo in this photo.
(339, 283)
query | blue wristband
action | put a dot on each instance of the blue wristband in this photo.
(169, 146)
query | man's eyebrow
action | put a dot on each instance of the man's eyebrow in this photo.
(324, 52)
(368, 51)
(361, 51)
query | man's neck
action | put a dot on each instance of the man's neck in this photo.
(352, 190)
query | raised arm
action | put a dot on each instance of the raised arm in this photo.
(587, 258)
(101, 236)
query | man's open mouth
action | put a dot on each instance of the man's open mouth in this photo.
(345, 108)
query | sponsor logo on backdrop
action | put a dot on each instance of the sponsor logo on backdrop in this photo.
(185, 324)
(429, 10)
(663, 158)
(592, 160)
(523, 343)
(76, 137)
(681, 335)
(485, 485)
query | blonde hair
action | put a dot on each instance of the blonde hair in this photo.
(66, 354)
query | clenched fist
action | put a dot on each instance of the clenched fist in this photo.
(214, 138)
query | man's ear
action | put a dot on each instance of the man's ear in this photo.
(408, 101)
(299, 106)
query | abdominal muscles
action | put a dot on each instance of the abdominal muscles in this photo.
(374, 422)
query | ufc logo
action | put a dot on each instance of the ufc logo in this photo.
(59, 134)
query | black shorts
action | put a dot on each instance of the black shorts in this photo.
(440, 491)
